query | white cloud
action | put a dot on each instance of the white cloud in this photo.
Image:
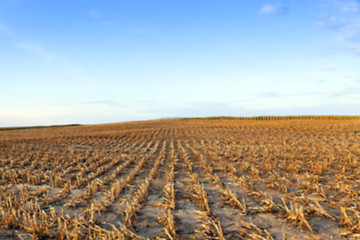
(274, 9)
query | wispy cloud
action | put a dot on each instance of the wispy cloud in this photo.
(353, 7)
(141, 31)
(274, 94)
(93, 13)
(329, 69)
(109, 103)
(333, 23)
(346, 93)
(350, 91)
(267, 94)
(274, 9)
(40, 52)
(352, 48)
(96, 15)
(352, 30)
(105, 23)
(345, 21)
(4, 30)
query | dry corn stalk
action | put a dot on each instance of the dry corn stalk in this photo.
(210, 228)
(345, 219)
(321, 211)
(169, 224)
(296, 215)
(219, 230)
(10, 218)
(201, 196)
(232, 199)
(90, 212)
(169, 200)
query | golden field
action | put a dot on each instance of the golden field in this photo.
(256, 178)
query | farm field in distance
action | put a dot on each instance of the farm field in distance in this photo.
(265, 178)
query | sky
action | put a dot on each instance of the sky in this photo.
(100, 61)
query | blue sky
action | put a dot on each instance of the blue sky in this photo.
(97, 61)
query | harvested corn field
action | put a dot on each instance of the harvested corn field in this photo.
(183, 179)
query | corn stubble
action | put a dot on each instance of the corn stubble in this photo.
(299, 175)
